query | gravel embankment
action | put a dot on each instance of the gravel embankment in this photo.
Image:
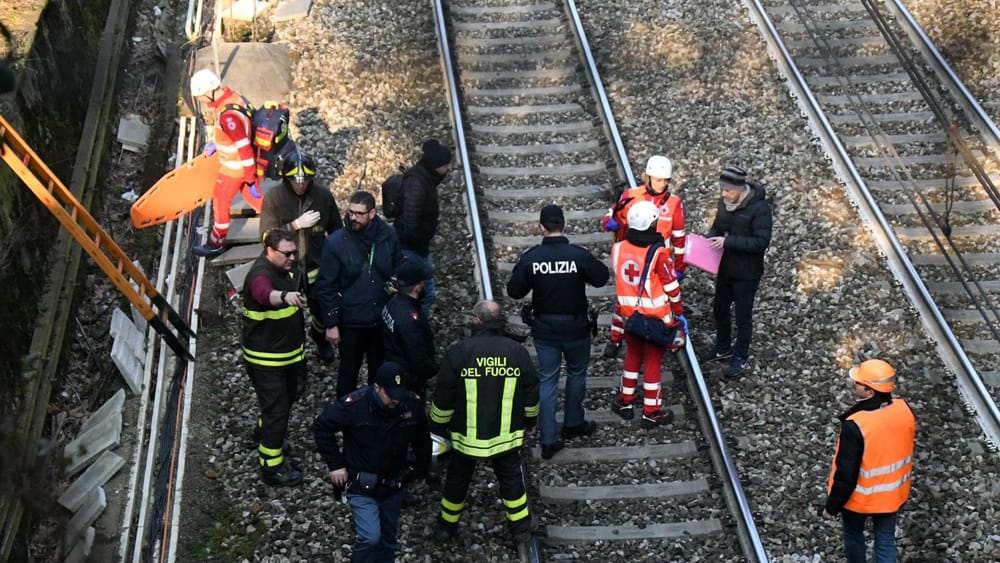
(690, 79)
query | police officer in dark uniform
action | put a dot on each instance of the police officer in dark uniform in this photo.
(410, 343)
(274, 349)
(305, 207)
(556, 273)
(378, 424)
(486, 397)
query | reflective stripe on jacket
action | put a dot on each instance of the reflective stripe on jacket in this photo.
(670, 224)
(659, 297)
(887, 463)
(273, 335)
(233, 129)
(486, 390)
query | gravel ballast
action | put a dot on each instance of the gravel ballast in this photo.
(689, 79)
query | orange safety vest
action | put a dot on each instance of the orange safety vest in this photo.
(887, 463)
(670, 224)
(653, 299)
(232, 137)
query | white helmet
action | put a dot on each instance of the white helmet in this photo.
(642, 215)
(659, 167)
(203, 82)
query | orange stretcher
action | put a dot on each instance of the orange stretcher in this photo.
(177, 193)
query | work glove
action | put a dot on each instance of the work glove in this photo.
(683, 322)
(306, 220)
(255, 190)
(679, 274)
(611, 225)
(209, 149)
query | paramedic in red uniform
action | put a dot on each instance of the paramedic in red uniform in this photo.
(873, 466)
(232, 141)
(670, 225)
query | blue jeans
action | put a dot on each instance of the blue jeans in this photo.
(550, 356)
(376, 522)
(854, 536)
(430, 290)
(737, 295)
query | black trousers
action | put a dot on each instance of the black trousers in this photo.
(510, 474)
(356, 345)
(277, 390)
(737, 295)
(421, 444)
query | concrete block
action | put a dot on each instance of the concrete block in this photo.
(133, 134)
(81, 550)
(90, 444)
(245, 10)
(129, 366)
(238, 275)
(95, 476)
(242, 65)
(113, 405)
(291, 9)
(238, 255)
(92, 508)
(124, 329)
(244, 231)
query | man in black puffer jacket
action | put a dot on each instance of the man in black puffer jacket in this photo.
(742, 229)
(418, 211)
(357, 263)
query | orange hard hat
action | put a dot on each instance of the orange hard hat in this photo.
(877, 374)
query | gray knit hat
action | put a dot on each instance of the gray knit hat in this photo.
(733, 178)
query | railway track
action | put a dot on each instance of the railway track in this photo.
(539, 131)
(923, 153)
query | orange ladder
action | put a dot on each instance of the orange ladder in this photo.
(94, 239)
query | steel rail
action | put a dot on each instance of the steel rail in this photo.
(724, 464)
(458, 126)
(969, 382)
(987, 128)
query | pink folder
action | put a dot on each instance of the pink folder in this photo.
(701, 255)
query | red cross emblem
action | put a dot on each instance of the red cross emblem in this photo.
(631, 272)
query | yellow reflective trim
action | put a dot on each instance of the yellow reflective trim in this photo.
(441, 416)
(312, 275)
(507, 404)
(471, 403)
(450, 518)
(272, 461)
(531, 411)
(519, 515)
(451, 506)
(516, 502)
(268, 452)
(275, 355)
(274, 314)
(275, 360)
(486, 448)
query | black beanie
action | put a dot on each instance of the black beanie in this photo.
(733, 177)
(435, 155)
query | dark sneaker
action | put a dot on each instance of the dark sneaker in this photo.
(622, 409)
(208, 251)
(738, 365)
(662, 416)
(549, 450)
(716, 354)
(281, 476)
(586, 429)
(444, 533)
(611, 349)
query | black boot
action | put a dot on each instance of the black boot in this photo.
(281, 476)
(209, 251)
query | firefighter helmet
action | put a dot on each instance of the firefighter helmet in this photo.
(659, 167)
(642, 215)
(299, 167)
(876, 374)
(203, 82)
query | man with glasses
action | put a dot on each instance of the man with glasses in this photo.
(305, 207)
(356, 265)
(274, 349)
